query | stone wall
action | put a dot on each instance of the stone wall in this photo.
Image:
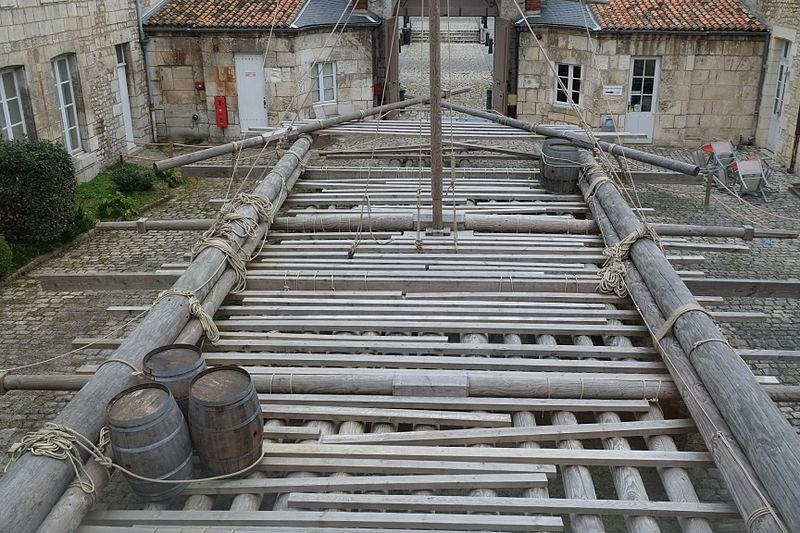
(708, 84)
(33, 33)
(783, 17)
(179, 59)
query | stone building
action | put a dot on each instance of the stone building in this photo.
(779, 113)
(72, 71)
(678, 71)
(218, 73)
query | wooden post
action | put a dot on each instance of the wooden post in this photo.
(391, 93)
(709, 185)
(437, 167)
(33, 484)
(769, 442)
(171, 150)
(502, 37)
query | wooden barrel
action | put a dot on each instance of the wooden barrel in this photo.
(559, 166)
(175, 366)
(149, 437)
(225, 420)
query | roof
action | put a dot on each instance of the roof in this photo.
(563, 13)
(676, 15)
(329, 12)
(225, 14)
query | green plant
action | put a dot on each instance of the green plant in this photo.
(83, 222)
(130, 178)
(37, 180)
(5, 258)
(172, 177)
(116, 206)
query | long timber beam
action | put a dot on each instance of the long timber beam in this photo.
(33, 484)
(288, 133)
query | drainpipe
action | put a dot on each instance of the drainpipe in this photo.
(143, 45)
(761, 78)
(794, 146)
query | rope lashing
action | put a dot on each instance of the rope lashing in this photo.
(136, 371)
(612, 275)
(64, 444)
(673, 318)
(196, 311)
(595, 185)
(234, 258)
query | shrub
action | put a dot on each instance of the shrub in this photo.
(116, 206)
(131, 178)
(172, 177)
(83, 222)
(5, 258)
(37, 181)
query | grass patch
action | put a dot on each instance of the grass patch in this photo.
(90, 194)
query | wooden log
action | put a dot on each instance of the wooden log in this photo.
(286, 133)
(770, 443)
(580, 139)
(740, 478)
(47, 478)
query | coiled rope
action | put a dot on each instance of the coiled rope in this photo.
(195, 311)
(612, 275)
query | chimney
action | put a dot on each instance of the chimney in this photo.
(533, 6)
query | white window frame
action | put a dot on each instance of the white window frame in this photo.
(67, 111)
(569, 83)
(319, 81)
(7, 132)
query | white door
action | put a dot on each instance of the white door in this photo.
(641, 114)
(251, 91)
(777, 102)
(124, 98)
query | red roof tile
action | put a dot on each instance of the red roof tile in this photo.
(226, 14)
(675, 15)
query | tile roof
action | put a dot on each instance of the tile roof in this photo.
(213, 14)
(676, 15)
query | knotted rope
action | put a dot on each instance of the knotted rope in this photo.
(195, 311)
(64, 444)
(612, 275)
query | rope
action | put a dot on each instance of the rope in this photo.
(756, 515)
(65, 444)
(612, 274)
(136, 371)
(592, 190)
(673, 318)
(196, 311)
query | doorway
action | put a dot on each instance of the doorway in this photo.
(251, 91)
(643, 93)
(124, 96)
(780, 93)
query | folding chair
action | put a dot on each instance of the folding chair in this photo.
(750, 177)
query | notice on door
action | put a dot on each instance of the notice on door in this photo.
(249, 73)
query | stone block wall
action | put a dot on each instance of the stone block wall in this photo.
(708, 84)
(783, 16)
(33, 33)
(179, 59)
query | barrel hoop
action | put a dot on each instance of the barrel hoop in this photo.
(139, 422)
(199, 427)
(151, 446)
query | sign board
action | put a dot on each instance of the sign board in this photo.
(249, 73)
(612, 90)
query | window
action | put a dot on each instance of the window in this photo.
(67, 106)
(643, 85)
(324, 89)
(12, 115)
(570, 77)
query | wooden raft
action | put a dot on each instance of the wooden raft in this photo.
(476, 383)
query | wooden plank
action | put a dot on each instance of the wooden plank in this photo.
(755, 288)
(446, 504)
(635, 458)
(769, 355)
(330, 465)
(477, 404)
(433, 362)
(259, 342)
(517, 434)
(522, 328)
(410, 416)
(325, 519)
(366, 483)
